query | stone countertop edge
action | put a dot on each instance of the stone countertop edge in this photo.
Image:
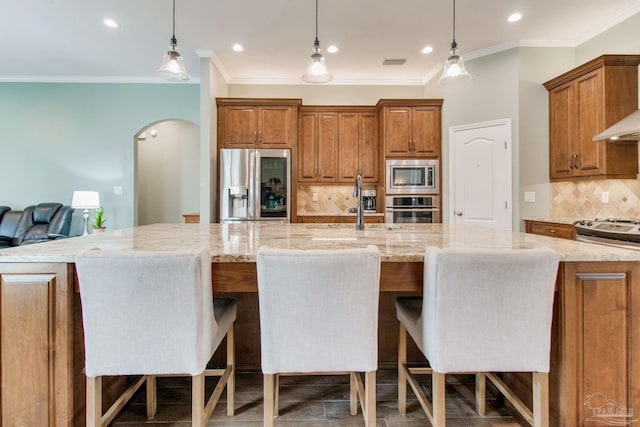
(239, 242)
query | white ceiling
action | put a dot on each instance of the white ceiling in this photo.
(65, 40)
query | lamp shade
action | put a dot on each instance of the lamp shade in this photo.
(454, 70)
(85, 200)
(173, 68)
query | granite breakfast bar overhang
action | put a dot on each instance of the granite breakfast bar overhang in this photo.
(596, 329)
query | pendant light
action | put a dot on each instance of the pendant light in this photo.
(316, 68)
(172, 68)
(454, 71)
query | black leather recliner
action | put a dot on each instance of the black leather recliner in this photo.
(43, 222)
(39, 223)
(9, 226)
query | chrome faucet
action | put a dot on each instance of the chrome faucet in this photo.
(357, 192)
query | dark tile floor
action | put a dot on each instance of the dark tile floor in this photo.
(316, 401)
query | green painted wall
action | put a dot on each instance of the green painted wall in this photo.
(60, 137)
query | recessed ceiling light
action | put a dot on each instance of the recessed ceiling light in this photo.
(111, 23)
(514, 17)
(238, 47)
(332, 48)
(427, 49)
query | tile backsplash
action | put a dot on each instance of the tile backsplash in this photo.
(332, 199)
(583, 199)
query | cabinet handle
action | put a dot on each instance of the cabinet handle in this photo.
(255, 136)
(259, 136)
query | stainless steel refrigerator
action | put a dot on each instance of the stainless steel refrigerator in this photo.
(255, 184)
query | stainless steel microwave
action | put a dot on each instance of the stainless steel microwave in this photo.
(412, 176)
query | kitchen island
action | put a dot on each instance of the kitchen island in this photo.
(596, 337)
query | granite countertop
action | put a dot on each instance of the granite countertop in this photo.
(238, 242)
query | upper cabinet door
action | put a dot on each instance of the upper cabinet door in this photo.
(591, 122)
(327, 159)
(274, 127)
(426, 131)
(397, 132)
(562, 104)
(307, 147)
(349, 138)
(368, 148)
(240, 126)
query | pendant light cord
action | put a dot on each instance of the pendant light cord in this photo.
(316, 43)
(454, 45)
(174, 41)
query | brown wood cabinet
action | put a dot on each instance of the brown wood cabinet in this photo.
(596, 360)
(410, 128)
(582, 103)
(337, 143)
(551, 229)
(318, 146)
(358, 146)
(36, 329)
(257, 123)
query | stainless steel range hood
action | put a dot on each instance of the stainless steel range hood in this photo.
(627, 129)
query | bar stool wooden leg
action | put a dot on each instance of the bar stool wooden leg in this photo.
(369, 407)
(197, 400)
(439, 414)
(268, 391)
(540, 399)
(481, 393)
(353, 393)
(402, 378)
(152, 396)
(94, 401)
(231, 381)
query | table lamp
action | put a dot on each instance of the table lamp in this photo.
(85, 200)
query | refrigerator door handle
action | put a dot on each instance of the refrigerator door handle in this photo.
(253, 162)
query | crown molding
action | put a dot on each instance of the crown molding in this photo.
(91, 79)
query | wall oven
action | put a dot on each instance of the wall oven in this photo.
(412, 210)
(412, 176)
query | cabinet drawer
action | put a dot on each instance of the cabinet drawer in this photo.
(564, 231)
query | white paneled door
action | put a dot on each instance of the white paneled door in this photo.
(480, 174)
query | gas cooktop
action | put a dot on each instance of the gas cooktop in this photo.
(627, 230)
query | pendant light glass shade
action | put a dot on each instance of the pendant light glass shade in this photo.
(316, 67)
(172, 67)
(454, 71)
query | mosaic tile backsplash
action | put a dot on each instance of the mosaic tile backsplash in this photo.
(332, 199)
(583, 200)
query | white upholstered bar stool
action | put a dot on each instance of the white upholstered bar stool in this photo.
(482, 311)
(150, 314)
(319, 314)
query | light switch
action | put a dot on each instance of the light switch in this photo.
(315, 197)
(529, 196)
(605, 197)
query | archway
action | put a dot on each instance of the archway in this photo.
(166, 172)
